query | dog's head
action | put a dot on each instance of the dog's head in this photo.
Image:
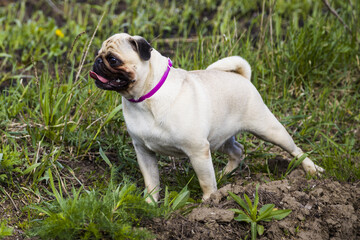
(118, 62)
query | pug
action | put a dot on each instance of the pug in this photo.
(175, 112)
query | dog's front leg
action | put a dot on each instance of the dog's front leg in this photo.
(149, 169)
(202, 163)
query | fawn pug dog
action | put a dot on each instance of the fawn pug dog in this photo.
(176, 112)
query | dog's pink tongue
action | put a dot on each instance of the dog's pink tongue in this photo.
(98, 77)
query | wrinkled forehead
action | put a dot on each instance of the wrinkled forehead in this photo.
(118, 43)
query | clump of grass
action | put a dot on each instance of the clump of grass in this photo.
(10, 161)
(174, 201)
(91, 215)
(5, 231)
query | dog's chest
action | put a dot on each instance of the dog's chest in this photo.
(153, 133)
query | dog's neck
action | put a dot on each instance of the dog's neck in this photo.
(152, 72)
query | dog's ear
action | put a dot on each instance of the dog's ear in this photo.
(141, 46)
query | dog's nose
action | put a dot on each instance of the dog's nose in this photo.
(99, 60)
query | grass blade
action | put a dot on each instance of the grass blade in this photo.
(32, 167)
(104, 157)
(295, 162)
(57, 195)
(181, 199)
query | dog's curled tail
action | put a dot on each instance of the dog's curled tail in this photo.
(234, 64)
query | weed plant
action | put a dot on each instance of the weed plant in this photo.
(305, 64)
(251, 214)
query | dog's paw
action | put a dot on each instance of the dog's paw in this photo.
(313, 169)
(319, 170)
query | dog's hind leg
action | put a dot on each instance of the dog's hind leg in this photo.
(268, 128)
(235, 151)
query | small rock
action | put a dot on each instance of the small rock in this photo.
(238, 189)
(300, 217)
(318, 192)
(296, 174)
(290, 202)
(211, 214)
(300, 195)
(224, 190)
(331, 222)
(287, 225)
(305, 211)
(308, 206)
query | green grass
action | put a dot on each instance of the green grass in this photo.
(52, 117)
(92, 215)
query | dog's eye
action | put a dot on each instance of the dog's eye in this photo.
(113, 61)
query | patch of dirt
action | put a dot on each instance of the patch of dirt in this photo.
(321, 209)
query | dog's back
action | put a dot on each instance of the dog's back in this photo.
(234, 64)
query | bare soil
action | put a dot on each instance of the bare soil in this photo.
(321, 209)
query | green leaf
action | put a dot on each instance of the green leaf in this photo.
(42, 210)
(32, 167)
(280, 214)
(277, 215)
(265, 208)
(125, 190)
(109, 117)
(181, 200)
(238, 211)
(3, 177)
(104, 157)
(112, 114)
(256, 200)
(240, 202)
(76, 195)
(58, 196)
(243, 218)
(249, 203)
(174, 201)
(260, 229)
(166, 198)
(265, 211)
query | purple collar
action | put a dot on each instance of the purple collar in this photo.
(156, 88)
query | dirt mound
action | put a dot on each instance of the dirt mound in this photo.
(321, 209)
